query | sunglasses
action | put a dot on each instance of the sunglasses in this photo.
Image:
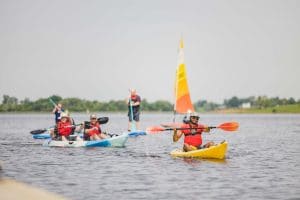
(93, 118)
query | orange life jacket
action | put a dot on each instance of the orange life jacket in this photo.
(64, 128)
(95, 129)
(193, 136)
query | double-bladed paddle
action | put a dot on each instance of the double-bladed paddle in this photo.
(101, 120)
(227, 126)
(40, 131)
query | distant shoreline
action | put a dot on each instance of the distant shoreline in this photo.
(221, 111)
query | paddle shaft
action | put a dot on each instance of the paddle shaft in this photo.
(170, 129)
(39, 131)
(133, 128)
(53, 103)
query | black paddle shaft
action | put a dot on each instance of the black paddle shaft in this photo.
(170, 129)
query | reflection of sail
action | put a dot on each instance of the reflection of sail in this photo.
(183, 103)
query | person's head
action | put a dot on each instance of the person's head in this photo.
(194, 118)
(59, 105)
(133, 92)
(93, 118)
(64, 117)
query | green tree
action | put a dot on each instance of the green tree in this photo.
(234, 102)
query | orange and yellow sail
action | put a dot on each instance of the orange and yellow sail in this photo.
(183, 103)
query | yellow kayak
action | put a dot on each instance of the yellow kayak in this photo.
(217, 152)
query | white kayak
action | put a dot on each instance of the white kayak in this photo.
(116, 141)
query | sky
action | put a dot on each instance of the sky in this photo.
(97, 50)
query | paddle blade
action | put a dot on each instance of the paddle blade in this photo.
(38, 131)
(229, 126)
(155, 129)
(103, 120)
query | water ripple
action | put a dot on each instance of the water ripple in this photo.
(263, 161)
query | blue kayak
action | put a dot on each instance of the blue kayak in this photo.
(117, 141)
(47, 135)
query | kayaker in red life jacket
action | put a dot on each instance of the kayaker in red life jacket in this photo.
(92, 130)
(135, 101)
(192, 136)
(65, 128)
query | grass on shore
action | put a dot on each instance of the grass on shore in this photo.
(295, 108)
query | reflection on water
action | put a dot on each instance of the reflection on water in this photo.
(262, 161)
(198, 161)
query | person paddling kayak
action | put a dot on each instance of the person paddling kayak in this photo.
(92, 129)
(64, 128)
(192, 134)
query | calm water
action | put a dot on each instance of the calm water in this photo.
(263, 161)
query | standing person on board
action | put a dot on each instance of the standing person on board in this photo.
(92, 130)
(192, 134)
(57, 111)
(133, 103)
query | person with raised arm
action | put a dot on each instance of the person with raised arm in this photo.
(192, 132)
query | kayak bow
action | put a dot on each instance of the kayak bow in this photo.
(216, 152)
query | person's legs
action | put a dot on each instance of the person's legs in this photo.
(95, 137)
(136, 119)
(52, 134)
(102, 136)
(78, 138)
(187, 147)
(129, 124)
(209, 144)
(137, 125)
(63, 138)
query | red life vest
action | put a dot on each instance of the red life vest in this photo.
(95, 129)
(64, 128)
(193, 136)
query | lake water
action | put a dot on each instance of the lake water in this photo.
(263, 160)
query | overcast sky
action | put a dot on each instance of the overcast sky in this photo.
(99, 49)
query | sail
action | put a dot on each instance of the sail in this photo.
(183, 103)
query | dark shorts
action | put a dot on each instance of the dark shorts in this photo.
(136, 117)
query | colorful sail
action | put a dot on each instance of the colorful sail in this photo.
(183, 103)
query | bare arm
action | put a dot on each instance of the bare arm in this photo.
(136, 103)
(177, 135)
(56, 108)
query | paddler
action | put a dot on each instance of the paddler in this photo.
(192, 134)
(57, 111)
(64, 128)
(133, 103)
(92, 129)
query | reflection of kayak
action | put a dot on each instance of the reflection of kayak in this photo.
(117, 141)
(136, 133)
(218, 152)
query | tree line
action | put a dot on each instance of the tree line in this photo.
(12, 104)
